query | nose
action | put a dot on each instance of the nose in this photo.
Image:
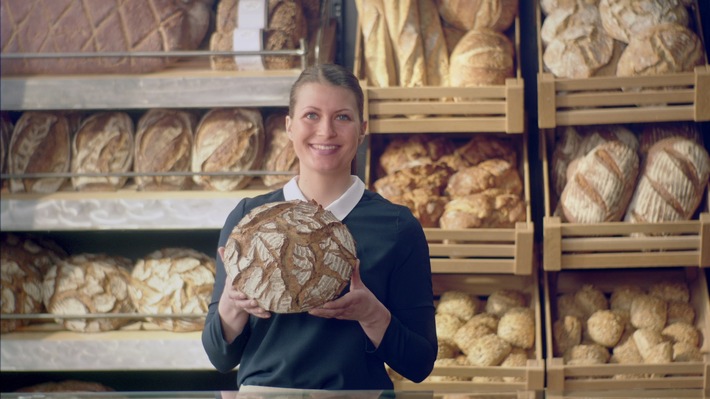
(326, 128)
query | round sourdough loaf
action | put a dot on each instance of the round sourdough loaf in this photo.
(482, 57)
(469, 15)
(20, 283)
(290, 256)
(279, 156)
(625, 19)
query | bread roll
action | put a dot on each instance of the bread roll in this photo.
(649, 312)
(89, 284)
(672, 182)
(447, 325)
(6, 127)
(586, 355)
(623, 295)
(605, 328)
(517, 327)
(164, 141)
(103, 144)
(467, 335)
(173, 281)
(228, 140)
(578, 51)
(40, 143)
(379, 58)
(286, 265)
(601, 187)
(279, 156)
(682, 332)
(626, 352)
(680, 312)
(494, 174)
(414, 150)
(567, 332)
(430, 177)
(670, 291)
(501, 301)
(487, 319)
(625, 19)
(427, 208)
(482, 57)
(447, 350)
(460, 304)
(662, 49)
(590, 299)
(483, 210)
(489, 350)
(567, 306)
(683, 352)
(403, 24)
(493, 14)
(482, 147)
(517, 358)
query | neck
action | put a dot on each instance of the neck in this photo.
(323, 189)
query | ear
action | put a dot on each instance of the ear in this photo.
(288, 127)
(363, 132)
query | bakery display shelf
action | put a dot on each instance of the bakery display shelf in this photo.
(594, 100)
(445, 109)
(563, 379)
(124, 209)
(187, 84)
(618, 244)
(520, 379)
(47, 347)
(632, 394)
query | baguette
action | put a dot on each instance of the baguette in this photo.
(404, 28)
(379, 54)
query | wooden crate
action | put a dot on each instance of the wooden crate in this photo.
(432, 109)
(489, 250)
(609, 245)
(594, 100)
(563, 379)
(532, 374)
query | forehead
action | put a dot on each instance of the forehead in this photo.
(323, 94)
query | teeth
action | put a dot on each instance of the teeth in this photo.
(324, 147)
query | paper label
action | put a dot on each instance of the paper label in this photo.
(248, 40)
(253, 14)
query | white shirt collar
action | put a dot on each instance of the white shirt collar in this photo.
(340, 207)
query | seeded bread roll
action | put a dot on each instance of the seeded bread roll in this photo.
(586, 355)
(670, 291)
(517, 327)
(447, 350)
(228, 140)
(684, 352)
(460, 304)
(495, 14)
(680, 312)
(567, 332)
(489, 350)
(466, 336)
(600, 188)
(672, 182)
(649, 312)
(279, 156)
(286, 265)
(487, 319)
(659, 354)
(164, 141)
(446, 326)
(682, 332)
(482, 57)
(501, 301)
(493, 174)
(103, 144)
(605, 328)
(40, 143)
(623, 295)
(567, 306)
(626, 19)
(89, 284)
(590, 299)
(517, 358)
(626, 352)
(645, 339)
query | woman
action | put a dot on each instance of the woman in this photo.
(386, 314)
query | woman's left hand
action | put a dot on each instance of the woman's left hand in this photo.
(361, 305)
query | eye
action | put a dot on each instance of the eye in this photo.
(311, 115)
(343, 117)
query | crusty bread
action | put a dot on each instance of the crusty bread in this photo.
(431, 177)
(482, 147)
(649, 312)
(482, 57)
(566, 333)
(651, 133)
(279, 155)
(470, 15)
(561, 19)
(459, 303)
(625, 19)
(567, 141)
(483, 210)
(605, 328)
(416, 149)
(517, 327)
(20, 279)
(228, 140)
(379, 58)
(578, 51)
(40, 143)
(502, 300)
(600, 188)
(672, 182)
(590, 299)
(403, 24)
(494, 175)
(549, 6)
(286, 265)
(436, 53)
(489, 350)
(447, 325)
(103, 144)
(586, 354)
(164, 141)
(38, 26)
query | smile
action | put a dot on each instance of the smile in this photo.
(324, 147)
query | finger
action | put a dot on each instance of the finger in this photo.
(220, 250)
(355, 281)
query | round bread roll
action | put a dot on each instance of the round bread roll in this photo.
(482, 147)
(626, 352)
(445, 378)
(605, 328)
(104, 143)
(670, 291)
(489, 350)
(446, 326)
(417, 149)
(468, 333)
(586, 355)
(466, 15)
(626, 19)
(280, 156)
(492, 174)
(67, 386)
(447, 350)
(623, 295)
(89, 284)
(682, 332)
(227, 140)
(661, 49)
(680, 312)
(684, 352)
(40, 143)
(173, 281)
(429, 177)
(590, 299)
(6, 127)
(290, 256)
(164, 141)
(567, 332)
(567, 306)
(483, 210)
(645, 339)
(649, 312)
(517, 326)
(501, 301)
(427, 208)
(517, 358)
(482, 57)
(458, 303)
(659, 354)
(487, 319)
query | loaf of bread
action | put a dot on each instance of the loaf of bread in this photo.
(625, 19)
(651, 133)
(578, 51)
(40, 143)
(103, 144)
(452, 35)
(290, 256)
(549, 6)
(494, 174)
(20, 282)
(482, 57)
(163, 143)
(561, 19)
(672, 183)
(482, 147)
(379, 55)
(431, 177)
(279, 155)
(173, 280)
(6, 127)
(661, 49)
(567, 142)
(402, 18)
(466, 15)
(228, 140)
(38, 26)
(600, 188)
(425, 206)
(89, 283)
(483, 210)
(594, 135)
(436, 53)
(417, 149)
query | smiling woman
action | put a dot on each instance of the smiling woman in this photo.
(386, 313)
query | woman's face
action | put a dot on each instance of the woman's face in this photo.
(325, 129)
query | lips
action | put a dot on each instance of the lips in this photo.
(324, 147)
